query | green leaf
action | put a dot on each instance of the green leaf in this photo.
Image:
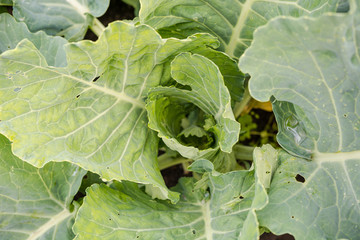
(201, 166)
(90, 113)
(6, 3)
(12, 32)
(36, 203)
(207, 92)
(232, 21)
(312, 67)
(233, 77)
(265, 163)
(89, 179)
(135, 4)
(68, 18)
(315, 199)
(129, 213)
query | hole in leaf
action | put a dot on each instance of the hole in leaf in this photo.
(109, 219)
(299, 178)
(193, 231)
(241, 197)
(78, 96)
(292, 217)
(95, 79)
(345, 115)
(267, 172)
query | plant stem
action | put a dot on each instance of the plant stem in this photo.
(165, 161)
(97, 27)
(243, 152)
(240, 106)
(262, 134)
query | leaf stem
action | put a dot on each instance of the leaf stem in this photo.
(97, 27)
(240, 106)
(166, 161)
(243, 152)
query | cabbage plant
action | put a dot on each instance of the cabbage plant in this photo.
(87, 126)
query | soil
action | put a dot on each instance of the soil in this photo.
(120, 11)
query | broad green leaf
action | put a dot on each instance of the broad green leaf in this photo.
(311, 67)
(167, 106)
(68, 18)
(90, 113)
(232, 21)
(315, 199)
(36, 203)
(128, 213)
(12, 32)
(313, 75)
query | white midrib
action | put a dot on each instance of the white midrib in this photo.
(118, 95)
(78, 7)
(337, 115)
(231, 46)
(58, 218)
(333, 157)
(207, 220)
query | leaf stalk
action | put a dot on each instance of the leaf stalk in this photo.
(166, 161)
(97, 27)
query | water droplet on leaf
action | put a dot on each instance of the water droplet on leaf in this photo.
(293, 126)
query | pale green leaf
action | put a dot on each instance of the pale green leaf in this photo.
(311, 67)
(36, 203)
(201, 166)
(68, 18)
(233, 78)
(167, 106)
(315, 199)
(232, 21)
(90, 113)
(128, 213)
(12, 32)
(265, 164)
